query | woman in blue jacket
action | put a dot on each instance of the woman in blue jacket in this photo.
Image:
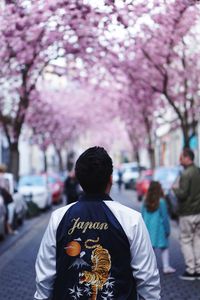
(156, 218)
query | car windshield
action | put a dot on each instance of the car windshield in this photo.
(131, 169)
(52, 180)
(32, 181)
(134, 169)
(168, 175)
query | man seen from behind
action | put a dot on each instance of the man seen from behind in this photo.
(96, 248)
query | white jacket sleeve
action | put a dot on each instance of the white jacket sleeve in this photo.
(144, 264)
(143, 260)
(45, 266)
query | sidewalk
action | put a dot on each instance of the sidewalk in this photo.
(28, 224)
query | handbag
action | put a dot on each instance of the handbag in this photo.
(172, 203)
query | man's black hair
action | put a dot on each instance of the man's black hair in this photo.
(93, 170)
(189, 153)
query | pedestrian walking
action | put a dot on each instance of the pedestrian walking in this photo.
(8, 201)
(156, 218)
(188, 195)
(96, 248)
(120, 180)
(10, 210)
(71, 188)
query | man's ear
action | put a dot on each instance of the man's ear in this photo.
(109, 185)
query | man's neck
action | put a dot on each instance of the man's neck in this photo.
(94, 197)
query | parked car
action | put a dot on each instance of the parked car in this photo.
(2, 218)
(34, 188)
(115, 175)
(56, 188)
(20, 207)
(166, 176)
(131, 172)
(143, 182)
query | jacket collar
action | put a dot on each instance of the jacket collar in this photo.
(94, 197)
(189, 166)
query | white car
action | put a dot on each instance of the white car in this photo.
(131, 172)
(35, 188)
(115, 175)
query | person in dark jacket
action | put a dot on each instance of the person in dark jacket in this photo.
(8, 201)
(71, 188)
(96, 248)
(120, 180)
(188, 195)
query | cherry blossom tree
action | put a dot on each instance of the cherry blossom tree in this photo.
(58, 117)
(55, 119)
(138, 113)
(32, 34)
(150, 58)
(128, 61)
(101, 42)
(165, 60)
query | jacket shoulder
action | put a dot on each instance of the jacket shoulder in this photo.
(124, 213)
(191, 171)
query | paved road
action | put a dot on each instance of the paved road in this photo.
(18, 253)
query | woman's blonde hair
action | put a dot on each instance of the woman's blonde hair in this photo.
(153, 196)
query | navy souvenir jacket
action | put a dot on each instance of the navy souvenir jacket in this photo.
(96, 249)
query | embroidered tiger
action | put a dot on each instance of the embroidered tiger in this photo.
(101, 264)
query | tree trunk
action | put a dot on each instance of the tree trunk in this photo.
(137, 157)
(186, 136)
(60, 160)
(70, 160)
(151, 152)
(13, 166)
(45, 161)
(149, 129)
